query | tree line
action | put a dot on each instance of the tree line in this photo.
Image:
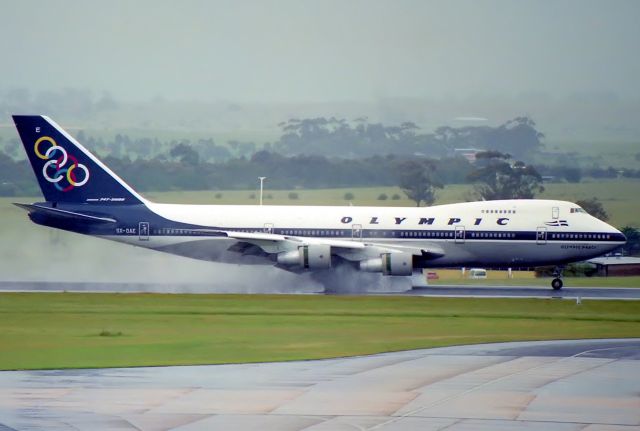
(293, 172)
(184, 171)
(360, 138)
(182, 168)
(334, 137)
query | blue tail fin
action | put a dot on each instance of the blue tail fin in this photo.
(65, 170)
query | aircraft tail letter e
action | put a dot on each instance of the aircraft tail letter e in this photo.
(66, 171)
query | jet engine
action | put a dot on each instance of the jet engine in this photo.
(312, 256)
(389, 264)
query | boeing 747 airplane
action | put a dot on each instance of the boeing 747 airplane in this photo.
(83, 195)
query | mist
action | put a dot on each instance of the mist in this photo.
(302, 51)
(42, 258)
(32, 253)
(38, 257)
(570, 64)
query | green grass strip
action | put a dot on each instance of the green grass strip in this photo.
(75, 330)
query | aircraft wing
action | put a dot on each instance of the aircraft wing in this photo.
(351, 250)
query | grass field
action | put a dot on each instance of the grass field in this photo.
(64, 330)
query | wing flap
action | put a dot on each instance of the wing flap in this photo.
(294, 240)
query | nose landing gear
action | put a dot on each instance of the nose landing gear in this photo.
(556, 283)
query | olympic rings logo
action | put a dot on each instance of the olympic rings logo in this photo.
(57, 159)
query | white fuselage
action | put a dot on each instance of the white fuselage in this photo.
(487, 233)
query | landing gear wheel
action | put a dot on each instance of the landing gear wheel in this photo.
(556, 284)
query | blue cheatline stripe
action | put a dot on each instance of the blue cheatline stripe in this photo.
(469, 235)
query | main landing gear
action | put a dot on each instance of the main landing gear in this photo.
(556, 283)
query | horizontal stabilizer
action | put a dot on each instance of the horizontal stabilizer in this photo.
(63, 214)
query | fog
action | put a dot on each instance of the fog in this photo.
(301, 51)
(32, 253)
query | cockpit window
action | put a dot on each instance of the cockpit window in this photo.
(578, 210)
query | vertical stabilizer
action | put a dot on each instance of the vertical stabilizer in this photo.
(65, 170)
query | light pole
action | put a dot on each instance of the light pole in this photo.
(261, 187)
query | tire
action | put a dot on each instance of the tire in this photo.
(556, 284)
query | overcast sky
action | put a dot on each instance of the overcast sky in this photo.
(321, 50)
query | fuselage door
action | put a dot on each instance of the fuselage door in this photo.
(460, 234)
(541, 235)
(268, 228)
(356, 232)
(143, 231)
(555, 213)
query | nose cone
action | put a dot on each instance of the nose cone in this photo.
(619, 237)
(616, 236)
(613, 235)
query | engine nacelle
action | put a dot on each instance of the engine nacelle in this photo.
(289, 258)
(389, 264)
(313, 256)
(397, 264)
(371, 265)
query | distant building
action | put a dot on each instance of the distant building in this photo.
(617, 265)
(468, 153)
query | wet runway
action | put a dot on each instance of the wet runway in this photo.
(486, 291)
(528, 292)
(563, 385)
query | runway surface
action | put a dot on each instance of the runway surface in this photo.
(563, 385)
(436, 290)
(528, 292)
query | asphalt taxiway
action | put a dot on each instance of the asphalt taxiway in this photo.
(559, 385)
